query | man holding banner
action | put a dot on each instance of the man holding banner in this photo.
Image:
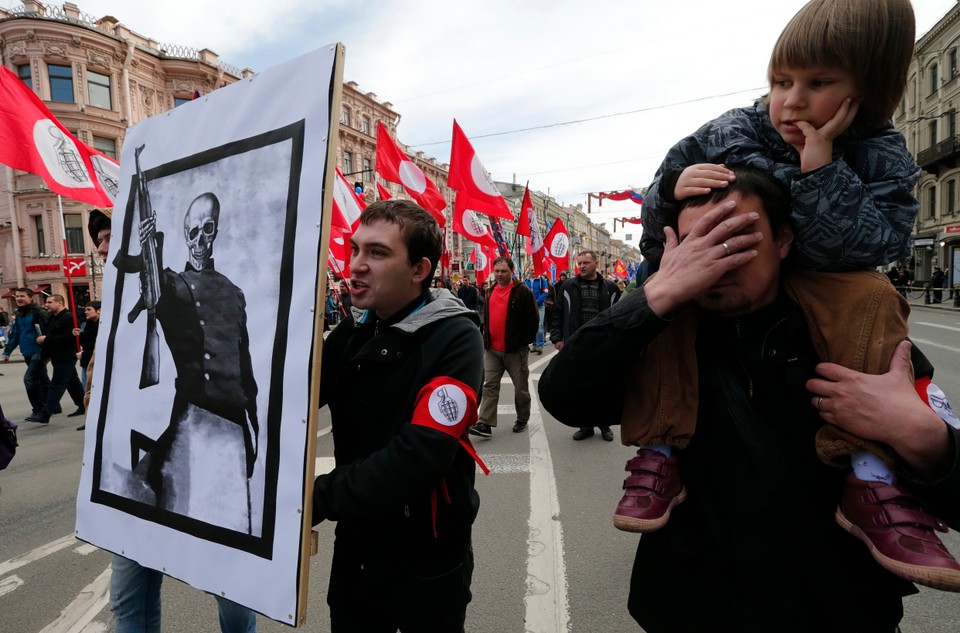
(400, 375)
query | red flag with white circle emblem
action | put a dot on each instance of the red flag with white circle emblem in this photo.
(470, 224)
(395, 166)
(557, 245)
(33, 140)
(470, 179)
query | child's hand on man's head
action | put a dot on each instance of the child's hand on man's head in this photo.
(701, 179)
(817, 150)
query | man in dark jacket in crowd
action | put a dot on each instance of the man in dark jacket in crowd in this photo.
(31, 322)
(936, 281)
(510, 323)
(579, 300)
(756, 546)
(59, 346)
(400, 375)
(468, 293)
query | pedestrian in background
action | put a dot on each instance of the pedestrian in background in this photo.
(540, 287)
(936, 280)
(579, 300)
(510, 324)
(30, 323)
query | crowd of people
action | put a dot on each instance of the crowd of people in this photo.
(51, 344)
(794, 461)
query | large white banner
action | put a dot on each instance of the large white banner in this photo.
(197, 443)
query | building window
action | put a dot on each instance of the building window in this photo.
(933, 133)
(934, 79)
(951, 196)
(952, 122)
(179, 101)
(61, 83)
(24, 73)
(367, 170)
(106, 146)
(932, 202)
(73, 224)
(365, 125)
(347, 163)
(41, 239)
(954, 68)
(629, 237)
(98, 90)
(345, 116)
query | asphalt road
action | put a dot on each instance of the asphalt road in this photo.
(548, 557)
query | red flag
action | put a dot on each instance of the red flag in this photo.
(529, 226)
(382, 191)
(620, 270)
(31, 139)
(395, 166)
(471, 225)
(338, 257)
(482, 258)
(347, 203)
(557, 245)
(470, 179)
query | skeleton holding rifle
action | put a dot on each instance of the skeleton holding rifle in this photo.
(200, 466)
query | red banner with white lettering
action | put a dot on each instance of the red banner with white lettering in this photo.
(75, 266)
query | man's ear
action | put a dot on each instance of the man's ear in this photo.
(784, 240)
(422, 269)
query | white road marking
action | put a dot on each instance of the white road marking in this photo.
(10, 583)
(937, 325)
(36, 554)
(86, 548)
(547, 606)
(90, 602)
(925, 343)
(506, 409)
(95, 627)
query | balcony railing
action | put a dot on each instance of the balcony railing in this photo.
(943, 150)
(60, 14)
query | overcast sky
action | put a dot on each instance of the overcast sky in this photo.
(503, 65)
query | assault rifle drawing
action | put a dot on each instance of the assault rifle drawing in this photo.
(149, 285)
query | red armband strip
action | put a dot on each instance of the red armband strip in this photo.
(447, 405)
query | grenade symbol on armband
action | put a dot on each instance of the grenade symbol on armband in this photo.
(448, 406)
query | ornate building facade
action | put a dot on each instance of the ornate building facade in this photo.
(927, 117)
(98, 78)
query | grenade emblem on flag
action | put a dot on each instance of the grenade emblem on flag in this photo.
(67, 157)
(448, 406)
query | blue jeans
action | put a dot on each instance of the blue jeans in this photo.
(538, 344)
(36, 381)
(64, 379)
(135, 602)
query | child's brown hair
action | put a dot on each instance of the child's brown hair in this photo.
(870, 39)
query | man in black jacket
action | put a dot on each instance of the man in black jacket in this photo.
(400, 375)
(510, 323)
(755, 546)
(59, 346)
(578, 301)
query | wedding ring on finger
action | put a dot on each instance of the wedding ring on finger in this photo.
(726, 249)
(820, 403)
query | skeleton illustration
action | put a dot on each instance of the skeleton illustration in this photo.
(214, 416)
(200, 229)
